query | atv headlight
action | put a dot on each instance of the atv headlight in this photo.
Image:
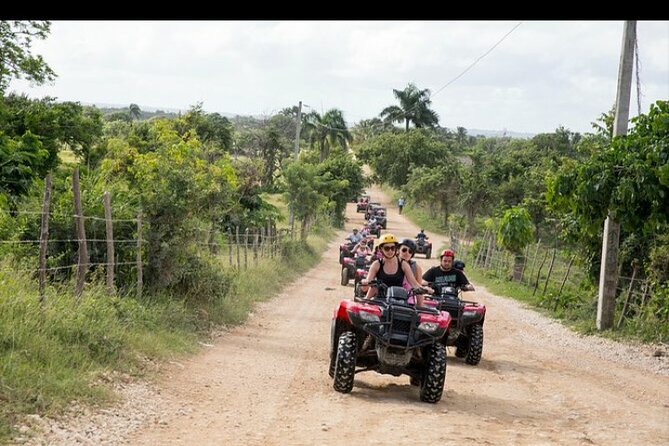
(368, 317)
(468, 313)
(428, 327)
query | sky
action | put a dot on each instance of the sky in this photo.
(543, 75)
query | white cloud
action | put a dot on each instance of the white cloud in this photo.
(543, 75)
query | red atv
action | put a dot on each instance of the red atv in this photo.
(389, 336)
(360, 273)
(350, 267)
(466, 328)
(362, 204)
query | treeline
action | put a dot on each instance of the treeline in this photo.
(189, 176)
(555, 187)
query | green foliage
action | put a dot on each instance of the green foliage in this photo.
(414, 108)
(393, 156)
(628, 177)
(435, 186)
(515, 229)
(327, 132)
(211, 128)
(271, 142)
(55, 125)
(21, 161)
(16, 61)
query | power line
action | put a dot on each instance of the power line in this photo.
(477, 60)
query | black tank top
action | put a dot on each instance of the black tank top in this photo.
(395, 279)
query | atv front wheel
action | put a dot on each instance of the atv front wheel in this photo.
(344, 369)
(428, 253)
(475, 345)
(432, 384)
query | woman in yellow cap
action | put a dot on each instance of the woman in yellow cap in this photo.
(390, 269)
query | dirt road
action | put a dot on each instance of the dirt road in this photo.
(266, 383)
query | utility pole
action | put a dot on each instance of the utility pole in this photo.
(608, 276)
(298, 128)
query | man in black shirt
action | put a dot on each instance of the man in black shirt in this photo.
(446, 275)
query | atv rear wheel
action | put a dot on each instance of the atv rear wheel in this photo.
(475, 345)
(344, 276)
(432, 384)
(344, 367)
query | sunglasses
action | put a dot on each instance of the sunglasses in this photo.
(406, 250)
(388, 247)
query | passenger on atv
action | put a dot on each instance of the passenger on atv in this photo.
(390, 269)
(362, 249)
(446, 274)
(407, 249)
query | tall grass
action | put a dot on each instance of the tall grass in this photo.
(54, 354)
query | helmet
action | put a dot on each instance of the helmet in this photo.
(448, 252)
(409, 243)
(422, 230)
(387, 238)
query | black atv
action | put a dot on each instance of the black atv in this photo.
(389, 336)
(466, 328)
(345, 250)
(423, 246)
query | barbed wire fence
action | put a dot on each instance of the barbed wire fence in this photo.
(554, 274)
(241, 246)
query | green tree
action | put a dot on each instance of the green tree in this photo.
(629, 177)
(16, 61)
(22, 161)
(212, 129)
(342, 179)
(436, 185)
(134, 111)
(393, 156)
(57, 125)
(302, 192)
(327, 131)
(515, 233)
(414, 108)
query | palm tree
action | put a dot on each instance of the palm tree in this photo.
(327, 131)
(135, 111)
(414, 107)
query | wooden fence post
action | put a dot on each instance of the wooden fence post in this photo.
(230, 246)
(629, 294)
(536, 283)
(571, 260)
(140, 272)
(237, 239)
(110, 243)
(270, 252)
(246, 248)
(82, 264)
(534, 262)
(255, 246)
(550, 270)
(43, 238)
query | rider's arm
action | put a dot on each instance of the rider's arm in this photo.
(371, 275)
(412, 280)
(464, 282)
